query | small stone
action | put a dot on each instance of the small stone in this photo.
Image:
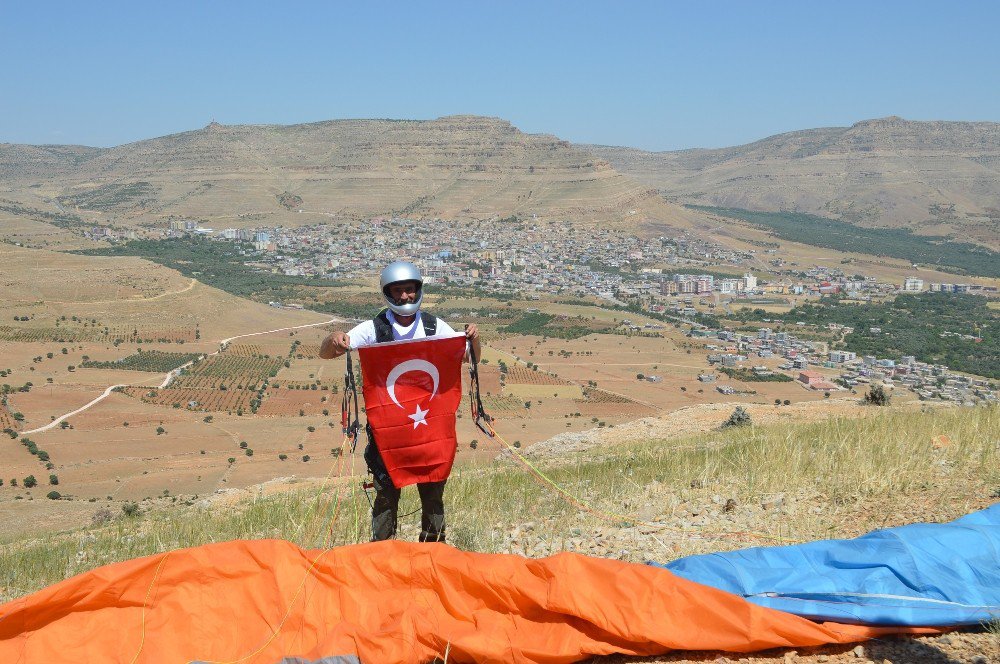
(944, 640)
(859, 651)
(529, 526)
(773, 502)
(730, 505)
(697, 484)
(980, 659)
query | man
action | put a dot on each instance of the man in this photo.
(402, 288)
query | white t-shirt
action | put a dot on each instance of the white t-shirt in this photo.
(363, 334)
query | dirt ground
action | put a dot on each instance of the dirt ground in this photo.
(185, 453)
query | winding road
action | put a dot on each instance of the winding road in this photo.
(170, 374)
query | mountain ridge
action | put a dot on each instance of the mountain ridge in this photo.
(936, 177)
(454, 166)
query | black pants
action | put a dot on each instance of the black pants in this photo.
(386, 507)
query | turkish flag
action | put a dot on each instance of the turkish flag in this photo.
(412, 390)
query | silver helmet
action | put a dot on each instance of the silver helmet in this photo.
(393, 273)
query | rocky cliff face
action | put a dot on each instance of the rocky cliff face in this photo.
(450, 167)
(932, 177)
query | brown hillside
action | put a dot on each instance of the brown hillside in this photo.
(460, 166)
(933, 177)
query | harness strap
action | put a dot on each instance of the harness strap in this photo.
(383, 328)
(482, 419)
(349, 420)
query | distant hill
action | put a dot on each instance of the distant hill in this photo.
(454, 167)
(935, 178)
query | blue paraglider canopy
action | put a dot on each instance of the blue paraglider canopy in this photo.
(923, 574)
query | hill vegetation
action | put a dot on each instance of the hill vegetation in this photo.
(937, 252)
(962, 332)
(218, 264)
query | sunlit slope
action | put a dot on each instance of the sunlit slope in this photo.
(932, 177)
(46, 285)
(459, 166)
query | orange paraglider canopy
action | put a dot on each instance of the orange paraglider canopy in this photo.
(265, 600)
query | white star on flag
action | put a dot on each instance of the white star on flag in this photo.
(419, 417)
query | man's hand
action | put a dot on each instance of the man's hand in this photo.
(335, 345)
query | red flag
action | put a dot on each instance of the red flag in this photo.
(412, 390)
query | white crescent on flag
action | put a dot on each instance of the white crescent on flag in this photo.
(407, 366)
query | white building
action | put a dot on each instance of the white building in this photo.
(913, 285)
(840, 356)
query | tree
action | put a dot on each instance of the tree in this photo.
(305, 457)
(53, 495)
(639, 376)
(249, 452)
(282, 457)
(30, 482)
(739, 418)
(877, 396)
(160, 431)
(231, 460)
(53, 480)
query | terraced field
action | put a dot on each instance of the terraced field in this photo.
(521, 375)
(244, 350)
(114, 335)
(151, 361)
(224, 383)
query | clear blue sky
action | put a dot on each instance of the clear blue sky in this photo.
(655, 75)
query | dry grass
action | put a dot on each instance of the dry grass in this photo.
(864, 473)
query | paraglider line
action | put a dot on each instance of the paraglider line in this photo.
(621, 518)
(145, 602)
